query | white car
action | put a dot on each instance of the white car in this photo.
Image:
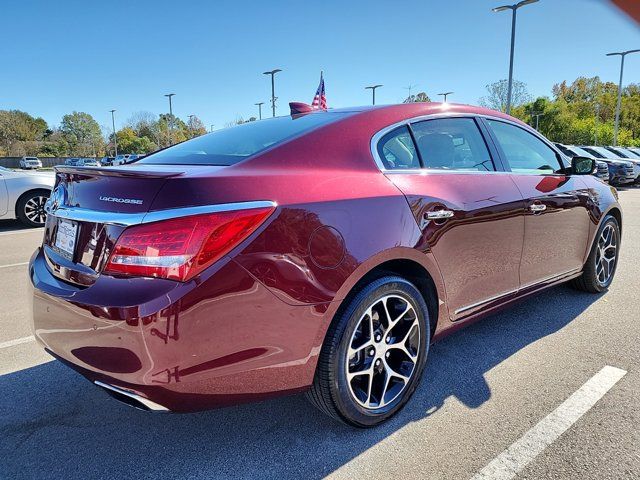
(24, 194)
(120, 159)
(28, 163)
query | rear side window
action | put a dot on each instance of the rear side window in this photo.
(593, 152)
(452, 144)
(524, 152)
(232, 145)
(397, 151)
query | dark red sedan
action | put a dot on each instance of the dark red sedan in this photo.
(320, 252)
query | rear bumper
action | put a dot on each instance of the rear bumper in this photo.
(182, 346)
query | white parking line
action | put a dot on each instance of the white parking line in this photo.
(17, 341)
(14, 265)
(507, 465)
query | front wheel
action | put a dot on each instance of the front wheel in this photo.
(374, 354)
(600, 267)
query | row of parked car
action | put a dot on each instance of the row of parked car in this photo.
(616, 165)
(34, 163)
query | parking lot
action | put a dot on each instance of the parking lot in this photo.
(484, 388)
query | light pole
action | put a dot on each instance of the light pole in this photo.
(618, 104)
(191, 124)
(259, 104)
(273, 88)
(115, 137)
(595, 142)
(373, 91)
(445, 95)
(211, 127)
(410, 87)
(513, 9)
(170, 126)
(537, 115)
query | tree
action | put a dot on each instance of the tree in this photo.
(195, 127)
(496, 98)
(130, 142)
(419, 97)
(83, 134)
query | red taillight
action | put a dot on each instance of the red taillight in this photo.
(181, 248)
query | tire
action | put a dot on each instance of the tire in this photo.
(30, 208)
(594, 278)
(364, 401)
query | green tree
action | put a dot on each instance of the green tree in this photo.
(130, 142)
(497, 95)
(83, 134)
(419, 97)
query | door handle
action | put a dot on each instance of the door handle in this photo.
(537, 207)
(438, 214)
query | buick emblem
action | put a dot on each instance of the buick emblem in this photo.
(56, 199)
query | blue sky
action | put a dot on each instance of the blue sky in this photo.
(60, 56)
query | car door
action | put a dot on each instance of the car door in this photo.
(470, 213)
(4, 195)
(557, 205)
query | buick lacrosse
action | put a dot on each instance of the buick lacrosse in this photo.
(320, 252)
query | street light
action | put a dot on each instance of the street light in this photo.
(273, 88)
(513, 9)
(618, 104)
(115, 137)
(537, 115)
(445, 95)
(211, 127)
(191, 123)
(373, 91)
(259, 104)
(169, 95)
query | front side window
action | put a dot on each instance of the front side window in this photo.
(452, 144)
(524, 152)
(397, 151)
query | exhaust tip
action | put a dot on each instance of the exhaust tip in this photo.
(132, 399)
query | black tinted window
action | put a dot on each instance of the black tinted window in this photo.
(397, 151)
(452, 144)
(234, 144)
(525, 152)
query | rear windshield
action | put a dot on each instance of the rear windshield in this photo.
(232, 145)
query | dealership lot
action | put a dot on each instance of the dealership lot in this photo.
(484, 389)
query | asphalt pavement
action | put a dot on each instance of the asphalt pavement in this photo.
(497, 393)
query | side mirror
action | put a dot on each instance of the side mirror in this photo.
(582, 165)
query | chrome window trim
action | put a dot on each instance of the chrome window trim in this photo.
(373, 146)
(128, 219)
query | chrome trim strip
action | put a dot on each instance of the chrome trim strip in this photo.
(128, 219)
(557, 276)
(486, 300)
(153, 406)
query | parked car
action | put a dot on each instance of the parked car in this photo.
(120, 159)
(624, 152)
(73, 161)
(602, 169)
(23, 195)
(321, 251)
(606, 154)
(107, 161)
(88, 162)
(620, 172)
(29, 163)
(134, 156)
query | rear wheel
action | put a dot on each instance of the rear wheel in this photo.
(30, 208)
(600, 267)
(374, 354)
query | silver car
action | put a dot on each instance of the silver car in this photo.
(23, 195)
(28, 163)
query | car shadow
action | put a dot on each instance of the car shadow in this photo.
(55, 424)
(14, 225)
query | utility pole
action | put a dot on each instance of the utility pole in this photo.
(513, 9)
(273, 88)
(259, 104)
(373, 91)
(191, 124)
(115, 137)
(410, 87)
(170, 125)
(619, 102)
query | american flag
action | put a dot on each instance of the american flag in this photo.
(320, 100)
